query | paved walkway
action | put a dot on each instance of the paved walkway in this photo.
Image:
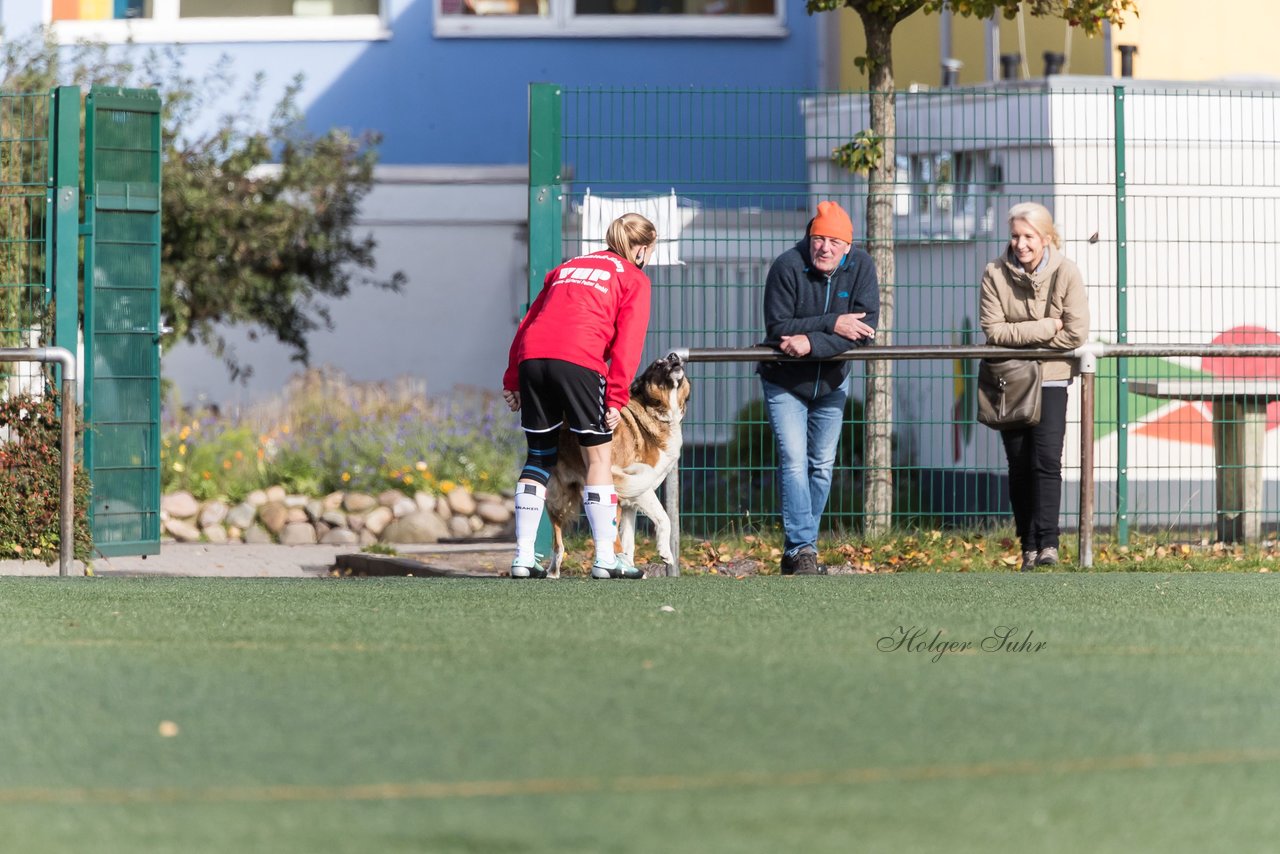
(229, 561)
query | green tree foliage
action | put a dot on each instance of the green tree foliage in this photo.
(258, 214)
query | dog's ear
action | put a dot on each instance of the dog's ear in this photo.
(646, 378)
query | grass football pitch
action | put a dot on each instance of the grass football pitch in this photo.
(903, 713)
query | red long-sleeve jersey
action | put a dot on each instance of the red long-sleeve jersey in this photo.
(593, 311)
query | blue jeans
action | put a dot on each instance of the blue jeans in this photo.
(807, 433)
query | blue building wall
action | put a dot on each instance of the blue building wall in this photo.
(453, 113)
(464, 100)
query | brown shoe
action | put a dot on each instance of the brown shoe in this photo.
(1029, 560)
(807, 564)
(1048, 557)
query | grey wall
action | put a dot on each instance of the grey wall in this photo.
(460, 236)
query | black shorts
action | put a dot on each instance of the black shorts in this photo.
(553, 392)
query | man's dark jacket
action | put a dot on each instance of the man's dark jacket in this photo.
(800, 300)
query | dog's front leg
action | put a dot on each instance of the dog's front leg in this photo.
(557, 549)
(647, 502)
(626, 544)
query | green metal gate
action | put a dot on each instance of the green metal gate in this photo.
(122, 318)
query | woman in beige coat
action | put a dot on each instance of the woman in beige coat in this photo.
(1033, 296)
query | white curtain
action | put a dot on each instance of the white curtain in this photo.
(664, 212)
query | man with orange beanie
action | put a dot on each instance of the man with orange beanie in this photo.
(822, 298)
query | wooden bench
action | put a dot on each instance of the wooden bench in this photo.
(1239, 444)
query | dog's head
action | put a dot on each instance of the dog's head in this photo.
(663, 385)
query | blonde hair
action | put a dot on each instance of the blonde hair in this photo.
(628, 233)
(1038, 217)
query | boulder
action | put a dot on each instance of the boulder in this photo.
(460, 527)
(297, 514)
(425, 501)
(340, 537)
(274, 516)
(417, 527)
(334, 518)
(358, 502)
(182, 531)
(388, 498)
(333, 500)
(404, 506)
(258, 535)
(276, 493)
(493, 511)
(256, 498)
(298, 534)
(377, 520)
(242, 515)
(214, 533)
(461, 502)
(180, 505)
(213, 513)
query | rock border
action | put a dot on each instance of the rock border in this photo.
(391, 518)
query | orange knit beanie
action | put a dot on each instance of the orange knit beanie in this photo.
(832, 221)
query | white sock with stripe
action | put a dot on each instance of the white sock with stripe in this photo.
(600, 503)
(530, 499)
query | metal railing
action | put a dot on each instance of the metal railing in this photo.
(67, 443)
(1086, 359)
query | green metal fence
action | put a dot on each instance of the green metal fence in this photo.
(122, 317)
(1167, 198)
(42, 202)
(25, 222)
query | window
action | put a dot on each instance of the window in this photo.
(947, 194)
(620, 18)
(218, 20)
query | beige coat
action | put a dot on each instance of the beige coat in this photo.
(1014, 313)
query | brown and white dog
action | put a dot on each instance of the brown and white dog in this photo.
(646, 445)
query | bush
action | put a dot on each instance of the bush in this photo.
(31, 482)
(327, 434)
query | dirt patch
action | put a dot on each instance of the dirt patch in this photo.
(494, 563)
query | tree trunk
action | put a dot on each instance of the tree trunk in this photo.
(878, 465)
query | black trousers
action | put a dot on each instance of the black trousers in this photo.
(1035, 471)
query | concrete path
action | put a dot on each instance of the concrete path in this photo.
(229, 561)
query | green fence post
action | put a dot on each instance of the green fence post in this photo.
(1122, 328)
(546, 221)
(64, 120)
(545, 193)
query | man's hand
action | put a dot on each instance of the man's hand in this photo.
(851, 326)
(512, 398)
(796, 345)
(611, 418)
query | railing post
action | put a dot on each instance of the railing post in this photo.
(671, 498)
(1088, 361)
(1122, 326)
(64, 183)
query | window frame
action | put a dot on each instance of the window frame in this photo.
(563, 23)
(167, 28)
